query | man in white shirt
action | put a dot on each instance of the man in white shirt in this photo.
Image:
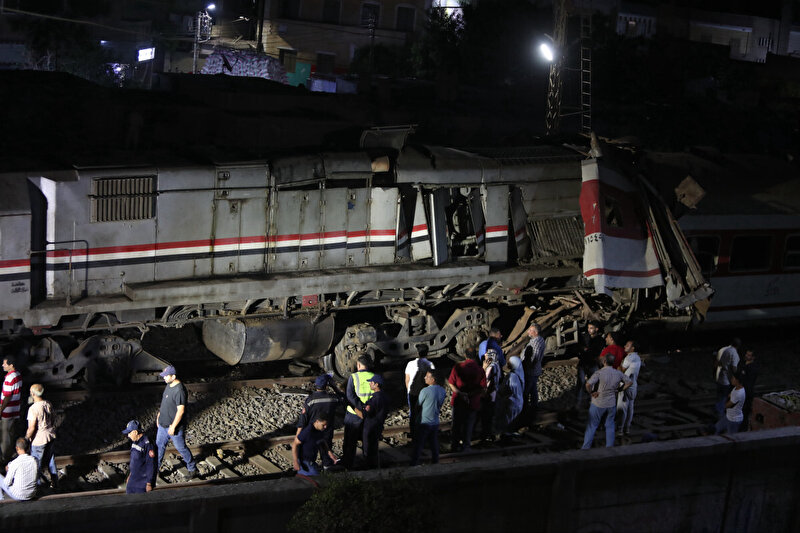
(625, 399)
(20, 480)
(415, 382)
(733, 408)
(727, 364)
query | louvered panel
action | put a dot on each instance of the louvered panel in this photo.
(118, 199)
(557, 238)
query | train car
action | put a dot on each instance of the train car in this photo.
(741, 217)
(323, 257)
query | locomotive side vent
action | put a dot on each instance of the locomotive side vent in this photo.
(118, 199)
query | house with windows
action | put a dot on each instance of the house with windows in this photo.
(317, 39)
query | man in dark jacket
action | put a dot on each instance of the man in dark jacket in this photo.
(142, 477)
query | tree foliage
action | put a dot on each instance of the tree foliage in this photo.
(346, 504)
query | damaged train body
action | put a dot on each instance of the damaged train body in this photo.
(325, 257)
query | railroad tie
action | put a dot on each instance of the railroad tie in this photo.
(220, 467)
(266, 466)
(112, 475)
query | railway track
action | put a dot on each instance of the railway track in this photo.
(666, 417)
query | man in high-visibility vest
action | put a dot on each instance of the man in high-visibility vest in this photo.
(358, 392)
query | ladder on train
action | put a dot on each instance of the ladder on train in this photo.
(586, 71)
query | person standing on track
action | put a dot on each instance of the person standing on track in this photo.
(142, 476)
(172, 421)
(612, 347)
(604, 401)
(431, 399)
(631, 366)
(727, 364)
(415, 382)
(42, 434)
(358, 392)
(593, 344)
(533, 356)
(10, 407)
(467, 381)
(749, 373)
(374, 415)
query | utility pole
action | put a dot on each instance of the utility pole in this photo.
(553, 113)
(202, 33)
(372, 24)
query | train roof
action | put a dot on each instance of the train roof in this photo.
(734, 184)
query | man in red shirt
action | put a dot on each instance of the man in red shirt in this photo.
(468, 382)
(612, 347)
(10, 407)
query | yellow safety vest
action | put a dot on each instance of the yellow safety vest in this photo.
(361, 387)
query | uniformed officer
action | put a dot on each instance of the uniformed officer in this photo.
(358, 393)
(142, 477)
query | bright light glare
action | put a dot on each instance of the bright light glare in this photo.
(547, 52)
(211, 7)
(146, 54)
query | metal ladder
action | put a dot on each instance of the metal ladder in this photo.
(586, 71)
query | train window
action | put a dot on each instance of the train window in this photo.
(706, 250)
(751, 253)
(613, 213)
(791, 259)
(117, 199)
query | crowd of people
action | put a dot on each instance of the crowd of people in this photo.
(496, 391)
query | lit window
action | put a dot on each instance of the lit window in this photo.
(751, 253)
(791, 259)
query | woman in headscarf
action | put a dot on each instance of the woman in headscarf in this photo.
(509, 396)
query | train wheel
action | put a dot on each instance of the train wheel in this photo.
(356, 341)
(466, 338)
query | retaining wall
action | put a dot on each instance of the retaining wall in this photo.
(745, 483)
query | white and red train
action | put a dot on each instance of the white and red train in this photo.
(324, 257)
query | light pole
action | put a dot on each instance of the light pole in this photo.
(202, 32)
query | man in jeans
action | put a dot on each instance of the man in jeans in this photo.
(42, 434)
(172, 420)
(604, 400)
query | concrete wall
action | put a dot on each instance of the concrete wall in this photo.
(745, 483)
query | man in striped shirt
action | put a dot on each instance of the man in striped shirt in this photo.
(10, 407)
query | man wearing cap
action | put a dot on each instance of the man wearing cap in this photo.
(142, 476)
(309, 442)
(172, 420)
(358, 393)
(374, 414)
(321, 403)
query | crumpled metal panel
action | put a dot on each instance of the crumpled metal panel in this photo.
(420, 236)
(495, 209)
(557, 238)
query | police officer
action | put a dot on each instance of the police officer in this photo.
(142, 477)
(358, 393)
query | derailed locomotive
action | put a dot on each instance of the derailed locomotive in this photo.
(324, 257)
